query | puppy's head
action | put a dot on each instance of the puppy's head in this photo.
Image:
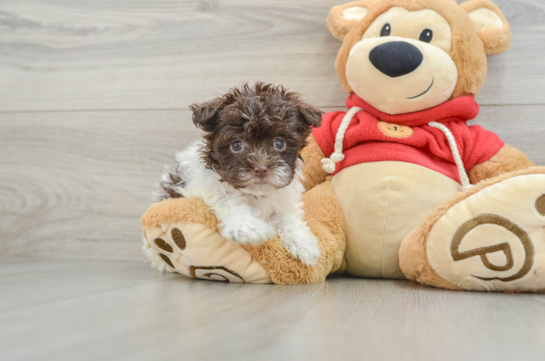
(254, 135)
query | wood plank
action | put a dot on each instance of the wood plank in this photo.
(166, 54)
(74, 184)
(91, 310)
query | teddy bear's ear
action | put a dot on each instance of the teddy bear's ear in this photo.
(342, 18)
(490, 24)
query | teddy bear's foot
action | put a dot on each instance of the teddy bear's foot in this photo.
(181, 235)
(489, 238)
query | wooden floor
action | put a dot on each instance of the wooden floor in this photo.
(94, 101)
(96, 310)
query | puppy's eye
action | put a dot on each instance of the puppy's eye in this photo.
(237, 146)
(386, 30)
(279, 144)
(426, 35)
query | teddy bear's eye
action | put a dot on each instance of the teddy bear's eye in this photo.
(426, 35)
(386, 30)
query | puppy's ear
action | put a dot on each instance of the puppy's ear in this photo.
(342, 18)
(490, 24)
(205, 115)
(312, 116)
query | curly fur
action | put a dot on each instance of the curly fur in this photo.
(251, 208)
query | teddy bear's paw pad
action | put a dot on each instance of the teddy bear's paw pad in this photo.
(199, 252)
(494, 240)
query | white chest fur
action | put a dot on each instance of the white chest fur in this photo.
(250, 215)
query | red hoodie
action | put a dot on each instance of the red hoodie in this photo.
(373, 136)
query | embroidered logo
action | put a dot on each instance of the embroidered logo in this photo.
(215, 273)
(394, 130)
(502, 247)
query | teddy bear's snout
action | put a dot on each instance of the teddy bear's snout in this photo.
(396, 58)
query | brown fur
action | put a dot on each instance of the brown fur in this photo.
(167, 188)
(467, 48)
(312, 167)
(336, 23)
(495, 41)
(322, 211)
(326, 219)
(508, 159)
(255, 116)
(189, 210)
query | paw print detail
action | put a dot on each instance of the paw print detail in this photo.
(166, 246)
(163, 245)
(215, 273)
(167, 260)
(178, 238)
(200, 252)
(540, 204)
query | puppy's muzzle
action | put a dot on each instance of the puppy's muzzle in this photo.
(261, 171)
(396, 58)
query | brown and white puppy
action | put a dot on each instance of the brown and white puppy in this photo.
(247, 167)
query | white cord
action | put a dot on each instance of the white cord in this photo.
(328, 164)
(455, 153)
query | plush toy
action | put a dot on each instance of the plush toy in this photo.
(399, 186)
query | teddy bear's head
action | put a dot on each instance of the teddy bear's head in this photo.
(403, 56)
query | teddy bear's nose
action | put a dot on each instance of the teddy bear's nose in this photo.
(396, 58)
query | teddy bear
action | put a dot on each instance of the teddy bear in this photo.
(398, 186)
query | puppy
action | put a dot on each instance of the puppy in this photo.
(247, 168)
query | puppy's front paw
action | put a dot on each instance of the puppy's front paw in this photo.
(302, 245)
(251, 231)
(307, 253)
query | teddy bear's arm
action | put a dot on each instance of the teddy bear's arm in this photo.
(313, 173)
(508, 159)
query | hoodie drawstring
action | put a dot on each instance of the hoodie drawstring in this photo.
(328, 164)
(455, 153)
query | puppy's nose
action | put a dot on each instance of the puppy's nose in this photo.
(396, 58)
(261, 171)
